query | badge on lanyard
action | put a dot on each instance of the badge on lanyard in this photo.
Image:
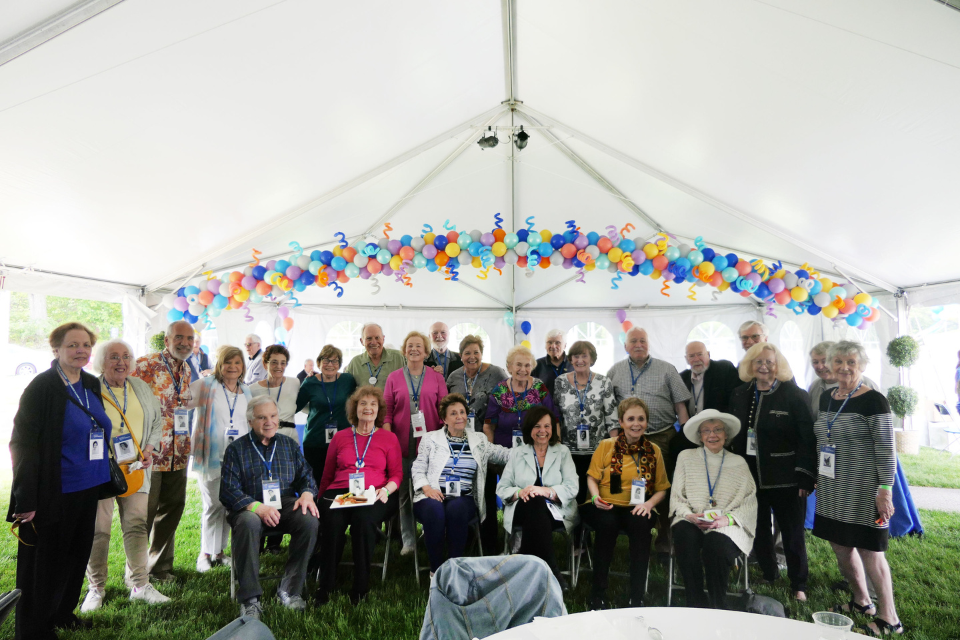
(751, 442)
(419, 424)
(330, 430)
(96, 444)
(583, 436)
(517, 438)
(828, 461)
(271, 494)
(471, 417)
(181, 421)
(123, 448)
(356, 483)
(638, 491)
(554, 511)
(451, 485)
(232, 434)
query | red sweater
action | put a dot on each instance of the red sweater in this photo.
(382, 464)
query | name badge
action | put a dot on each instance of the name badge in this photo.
(451, 485)
(181, 421)
(356, 483)
(329, 431)
(419, 424)
(96, 444)
(123, 448)
(554, 510)
(232, 434)
(517, 438)
(828, 461)
(271, 494)
(638, 491)
(471, 419)
(751, 442)
(583, 437)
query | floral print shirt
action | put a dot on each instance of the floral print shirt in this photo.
(599, 411)
(506, 414)
(174, 451)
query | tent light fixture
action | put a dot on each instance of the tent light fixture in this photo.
(521, 138)
(488, 142)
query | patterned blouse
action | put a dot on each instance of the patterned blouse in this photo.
(599, 411)
(174, 452)
(506, 414)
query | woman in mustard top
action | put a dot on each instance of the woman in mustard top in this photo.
(627, 480)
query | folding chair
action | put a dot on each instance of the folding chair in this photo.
(386, 552)
(474, 524)
(952, 431)
(673, 576)
(585, 529)
(558, 527)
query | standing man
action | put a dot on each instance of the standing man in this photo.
(168, 376)
(198, 361)
(555, 363)
(752, 332)
(373, 366)
(255, 369)
(307, 371)
(442, 360)
(658, 384)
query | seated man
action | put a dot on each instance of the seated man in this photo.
(264, 466)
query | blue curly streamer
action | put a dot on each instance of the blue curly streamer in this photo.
(530, 223)
(499, 220)
(614, 280)
(426, 229)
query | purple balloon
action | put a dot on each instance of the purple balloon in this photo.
(364, 273)
(249, 283)
(754, 278)
(331, 273)
(394, 246)
(568, 263)
(639, 257)
(283, 312)
(213, 286)
(429, 251)
(271, 264)
(387, 270)
(487, 239)
(294, 272)
(775, 285)
(581, 242)
(499, 262)
(181, 304)
(621, 315)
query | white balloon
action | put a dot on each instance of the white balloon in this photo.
(790, 279)
(277, 292)
(303, 262)
(361, 260)
(476, 234)
(521, 248)
(556, 258)
(684, 250)
(417, 244)
(510, 257)
(822, 299)
(248, 270)
(594, 251)
(169, 299)
(613, 268)
(464, 258)
(225, 290)
(383, 242)
(411, 269)
(195, 309)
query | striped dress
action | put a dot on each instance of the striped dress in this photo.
(865, 459)
(466, 466)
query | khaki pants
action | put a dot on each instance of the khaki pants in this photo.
(214, 531)
(133, 523)
(168, 495)
(662, 543)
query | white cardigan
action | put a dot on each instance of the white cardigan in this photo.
(434, 453)
(559, 473)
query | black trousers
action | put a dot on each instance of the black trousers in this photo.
(50, 573)
(607, 525)
(363, 523)
(490, 528)
(697, 551)
(538, 525)
(789, 509)
(582, 463)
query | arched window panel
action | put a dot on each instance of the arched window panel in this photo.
(459, 331)
(602, 340)
(346, 337)
(720, 339)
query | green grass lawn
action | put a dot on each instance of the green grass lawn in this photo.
(932, 468)
(926, 576)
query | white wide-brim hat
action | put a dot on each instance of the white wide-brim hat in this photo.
(692, 428)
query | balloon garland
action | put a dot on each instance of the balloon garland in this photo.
(802, 291)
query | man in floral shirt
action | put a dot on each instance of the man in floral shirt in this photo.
(168, 375)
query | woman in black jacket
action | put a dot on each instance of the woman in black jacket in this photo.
(780, 448)
(59, 462)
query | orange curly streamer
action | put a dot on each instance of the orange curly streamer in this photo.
(665, 289)
(386, 228)
(256, 261)
(627, 228)
(584, 257)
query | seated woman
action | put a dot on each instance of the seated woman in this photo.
(449, 476)
(623, 472)
(373, 454)
(713, 493)
(539, 487)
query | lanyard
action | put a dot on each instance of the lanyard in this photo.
(536, 461)
(416, 392)
(282, 380)
(115, 401)
(372, 374)
(582, 398)
(443, 359)
(176, 382)
(336, 381)
(469, 386)
(268, 465)
(711, 487)
(839, 411)
(235, 399)
(756, 391)
(636, 462)
(360, 460)
(558, 371)
(634, 380)
(696, 396)
(86, 396)
(515, 403)
(456, 456)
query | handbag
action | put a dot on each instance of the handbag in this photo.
(133, 479)
(117, 484)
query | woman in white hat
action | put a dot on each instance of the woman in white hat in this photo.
(713, 503)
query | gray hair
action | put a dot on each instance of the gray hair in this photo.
(255, 402)
(308, 361)
(252, 337)
(100, 359)
(363, 329)
(519, 350)
(554, 333)
(171, 330)
(845, 348)
(822, 348)
(749, 323)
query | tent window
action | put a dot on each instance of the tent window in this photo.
(459, 331)
(937, 329)
(720, 340)
(346, 337)
(791, 343)
(601, 339)
(267, 336)
(871, 342)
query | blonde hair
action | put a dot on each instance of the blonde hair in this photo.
(416, 334)
(227, 352)
(519, 350)
(784, 372)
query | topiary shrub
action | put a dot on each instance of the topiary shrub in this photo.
(156, 342)
(903, 351)
(903, 401)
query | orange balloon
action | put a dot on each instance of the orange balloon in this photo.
(236, 276)
(783, 297)
(499, 235)
(544, 263)
(743, 267)
(604, 244)
(715, 280)
(659, 263)
(627, 325)
(374, 267)
(342, 277)
(452, 236)
(568, 250)
(522, 262)
(235, 304)
(205, 297)
(441, 258)
(407, 253)
(349, 254)
(288, 323)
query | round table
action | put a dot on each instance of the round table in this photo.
(674, 623)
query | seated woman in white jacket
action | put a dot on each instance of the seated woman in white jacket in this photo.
(714, 508)
(539, 487)
(448, 479)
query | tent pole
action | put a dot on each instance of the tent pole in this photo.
(700, 195)
(51, 28)
(550, 290)
(484, 294)
(860, 289)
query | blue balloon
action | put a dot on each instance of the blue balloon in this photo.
(406, 240)
(220, 302)
(338, 263)
(475, 248)
(431, 264)
(174, 315)
(763, 291)
(679, 279)
(817, 288)
(557, 241)
(190, 291)
(526, 327)
(593, 237)
(314, 256)
(192, 319)
(635, 270)
(646, 267)
(307, 278)
(545, 250)
(440, 242)
(854, 320)
(732, 259)
(720, 262)
(627, 245)
(259, 270)
(800, 273)
(326, 257)
(523, 234)
(708, 254)
(299, 286)
(813, 309)
(734, 287)
(180, 293)
(569, 236)
(281, 266)
(578, 263)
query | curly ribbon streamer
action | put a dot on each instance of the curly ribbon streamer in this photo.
(483, 274)
(498, 219)
(760, 269)
(627, 262)
(613, 234)
(274, 279)
(448, 226)
(246, 311)
(406, 276)
(323, 279)
(256, 260)
(715, 295)
(293, 299)
(776, 267)
(693, 293)
(746, 285)
(665, 291)
(814, 274)
(426, 229)
(497, 269)
(838, 302)
(584, 257)
(627, 228)
(209, 274)
(680, 272)
(770, 310)
(615, 279)
(662, 244)
(375, 284)
(530, 223)
(298, 251)
(572, 225)
(863, 310)
(336, 287)
(487, 259)
(581, 273)
(387, 228)
(700, 244)
(452, 273)
(342, 237)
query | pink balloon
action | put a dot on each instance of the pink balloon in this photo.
(283, 312)
(214, 285)
(181, 304)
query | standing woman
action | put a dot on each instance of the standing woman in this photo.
(281, 389)
(587, 408)
(135, 415)
(58, 467)
(413, 395)
(780, 449)
(222, 402)
(854, 485)
(475, 380)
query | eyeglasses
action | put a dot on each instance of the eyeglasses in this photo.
(248, 344)
(116, 358)
(16, 524)
(755, 336)
(330, 361)
(717, 431)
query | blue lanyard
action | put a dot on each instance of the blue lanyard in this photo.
(558, 371)
(515, 403)
(176, 382)
(372, 374)
(86, 396)
(839, 411)
(636, 463)
(756, 391)
(282, 380)
(443, 359)
(711, 487)
(456, 456)
(416, 392)
(696, 396)
(582, 398)
(117, 402)
(360, 460)
(469, 387)
(235, 399)
(336, 381)
(536, 461)
(268, 465)
(634, 380)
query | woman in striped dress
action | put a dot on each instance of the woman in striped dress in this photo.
(857, 467)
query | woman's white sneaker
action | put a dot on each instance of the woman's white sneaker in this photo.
(148, 594)
(93, 601)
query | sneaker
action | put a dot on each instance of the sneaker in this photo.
(295, 603)
(251, 609)
(149, 594)
(203, 563)
(163, 578)
(224, 560)
(407, 551)
(93, 601)
(598, 603)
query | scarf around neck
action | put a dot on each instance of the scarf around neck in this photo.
(648, 461)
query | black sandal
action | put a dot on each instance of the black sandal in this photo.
(853, 607)
(884, 629)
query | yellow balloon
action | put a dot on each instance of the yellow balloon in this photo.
(724, 286)
(706, 269)
(545, 235)
(590, 266)
(241, 295)
(830, 311)
(799, 294)
(337, 251)
(655, 274)
(476, 262)
(395, 262)
(779, 274)
(526, 343)
(863, 298)
(827, 284)
(614, 254)
(650, 250)
(498, 249)
(452, 250)
(430, 237)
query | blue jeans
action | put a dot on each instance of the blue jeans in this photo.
(448, 519)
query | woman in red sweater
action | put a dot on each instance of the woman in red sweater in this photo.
(364, 455)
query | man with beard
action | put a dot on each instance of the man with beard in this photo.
(443, 360)
(255, 369)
